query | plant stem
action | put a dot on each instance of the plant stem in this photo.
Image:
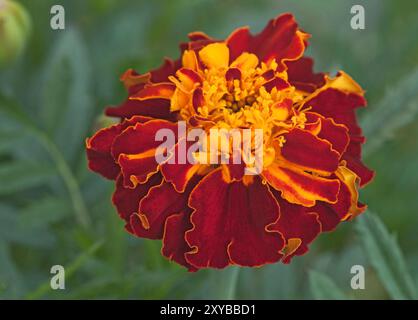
(68, 178)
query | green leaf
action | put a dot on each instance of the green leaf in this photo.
(44, 212)
(11, 284)
(324, 288)
(67, 103)
(14, 112)
(23, 175)
(11, 231)
(70, 269)
(398, 107)
(386, 257)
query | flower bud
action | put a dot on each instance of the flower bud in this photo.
(14, 30)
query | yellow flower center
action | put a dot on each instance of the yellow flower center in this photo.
(242, 94)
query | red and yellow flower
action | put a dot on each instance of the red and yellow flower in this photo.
(213, 215)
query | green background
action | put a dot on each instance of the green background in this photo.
(54, 211)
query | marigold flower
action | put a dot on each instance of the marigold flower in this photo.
(214, 215)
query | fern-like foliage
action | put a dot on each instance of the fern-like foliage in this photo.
(398, 108)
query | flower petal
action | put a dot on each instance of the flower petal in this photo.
(168, 68)
(310, 152)
(280, 40)
(215, 55)
(301, 75)
(126, 200)
(188, 78)
(277, 83)
(162, 90)
(231, 224)
(245, 61)
(300, 187)
(155, 108)
(135, 150)
(174, 245)
(238, 42)
(325, 103)
(296, 222)
(98, 148)
(198, 99)
(160, 202)
(179, 174)
(338, 105)
(336, 134)
(330, 215)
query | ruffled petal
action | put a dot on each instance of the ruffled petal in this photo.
(330, 215)
(98, 148)
(310, 152)
(280, 40)
(339, 102)
(301, 188)
(197, 41)
(174, 245)
(231, 224)
(336, 134)
(126, 200)
(179, 174)
(161, 202)
(135, 150)
(300, 74)
(340, 106)
(299, 226)
(238, 42)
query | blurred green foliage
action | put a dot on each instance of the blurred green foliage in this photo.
(54, 211)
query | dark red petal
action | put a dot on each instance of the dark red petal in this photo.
(238, 42)
(300, 73)
(330, 215)
(233, 74)
(296, 222)
(179, 174)
(310, 152)
(98, 148)
(155, 108)
(198, 99)
(126, 200)
(161, 202)
(277, 83)
(174, 244)
(197, 41)
(340, 106)
(188, 77)
(134, 81)
(279, 40)
(357, 166)
(168, 68)
(231, 224)
(300, 187)
(336, 134)
(268, 75)
(135, 149)
(198, 35)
